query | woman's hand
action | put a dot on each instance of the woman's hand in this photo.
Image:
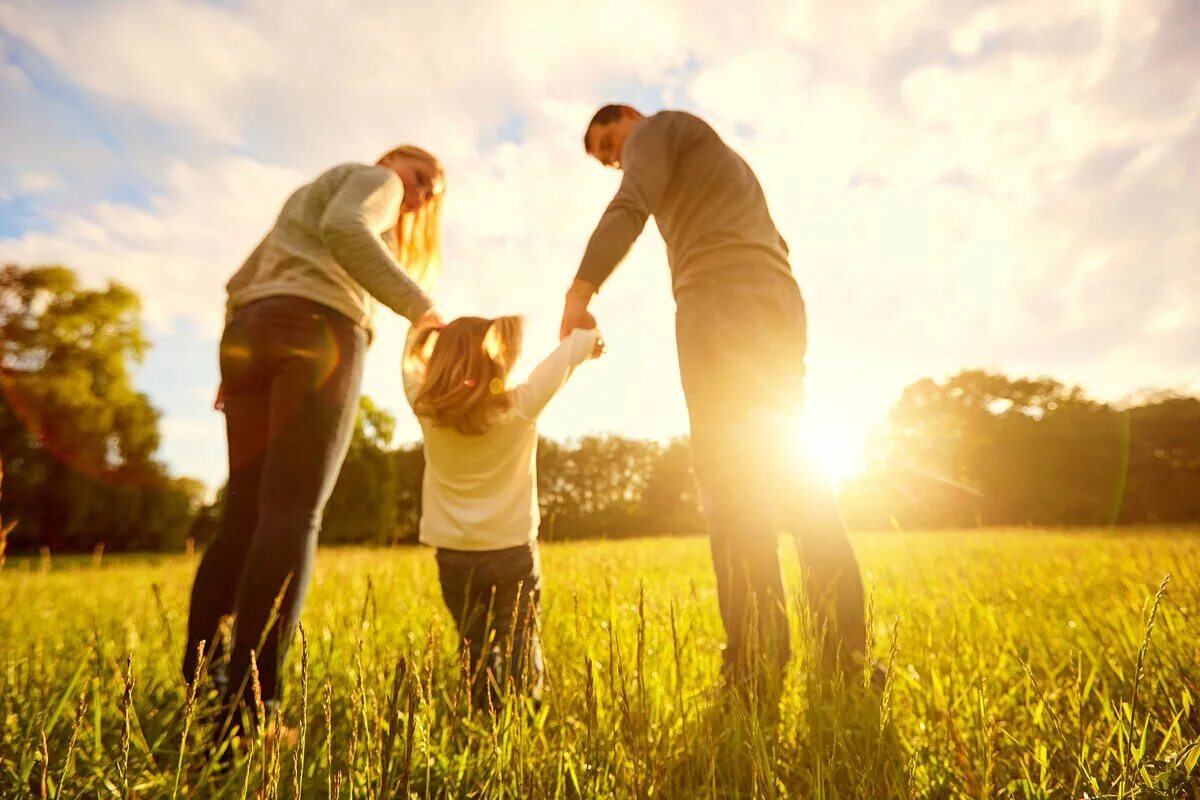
(219, 401)
(430, 319)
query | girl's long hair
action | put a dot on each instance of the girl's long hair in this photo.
(466, 366)
(417, 238)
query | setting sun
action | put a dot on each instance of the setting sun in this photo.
(832, 445)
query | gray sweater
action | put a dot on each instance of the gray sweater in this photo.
(706, 200)
(327, 245)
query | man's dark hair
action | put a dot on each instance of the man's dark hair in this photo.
(607, 114)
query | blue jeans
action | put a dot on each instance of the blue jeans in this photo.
(742, 338)
(290, 371)
(495, 598)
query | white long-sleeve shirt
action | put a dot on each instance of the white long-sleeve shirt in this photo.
(480, 492)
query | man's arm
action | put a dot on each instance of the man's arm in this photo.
(575, 309)
(647, 163)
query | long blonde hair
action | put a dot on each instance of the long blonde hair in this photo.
(417, 238)
(466, 374)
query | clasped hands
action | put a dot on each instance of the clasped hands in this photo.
(576, 314)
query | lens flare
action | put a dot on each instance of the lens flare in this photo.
(831, 446)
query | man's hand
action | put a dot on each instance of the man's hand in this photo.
(575, 309)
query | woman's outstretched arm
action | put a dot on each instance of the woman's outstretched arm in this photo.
(364, 206)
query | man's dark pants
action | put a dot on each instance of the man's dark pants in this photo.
(290, 372)
(495, 596)
(742, 339)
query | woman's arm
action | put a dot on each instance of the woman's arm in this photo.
(364, 206)
(549, 376)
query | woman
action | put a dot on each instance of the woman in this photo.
(298, 323)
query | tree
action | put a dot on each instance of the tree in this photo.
(671, 502)
(362, 507)
(594, 487)
(409, 463)
(982, 448)
(79, 439)
(1163, 483)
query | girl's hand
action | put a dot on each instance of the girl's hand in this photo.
(601, 348)
(219, 401)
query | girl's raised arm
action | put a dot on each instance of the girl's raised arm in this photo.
(549, 376)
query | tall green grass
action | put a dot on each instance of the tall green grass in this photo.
(1020, 665)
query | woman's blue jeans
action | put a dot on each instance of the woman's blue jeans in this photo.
(291, 371)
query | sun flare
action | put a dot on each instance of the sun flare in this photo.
(833, 447)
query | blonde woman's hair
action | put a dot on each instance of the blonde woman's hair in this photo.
(466, 371)
(417, 240)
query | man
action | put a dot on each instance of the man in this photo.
(741, 334)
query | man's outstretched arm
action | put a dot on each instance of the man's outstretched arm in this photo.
(647, 168)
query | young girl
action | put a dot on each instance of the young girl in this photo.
(479, 497)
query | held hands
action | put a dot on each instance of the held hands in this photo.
(575, 309)
(576, 314)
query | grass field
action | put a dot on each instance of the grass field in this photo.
(1023, 665)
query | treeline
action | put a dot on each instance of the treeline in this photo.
(985, 449)
(594, 487)
(975, 450)
(77, 444)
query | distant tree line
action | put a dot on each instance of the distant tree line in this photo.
(975, 450)
(986, 449)
(594, 487)
(77, 445)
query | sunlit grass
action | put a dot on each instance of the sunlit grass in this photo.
(1014, 673)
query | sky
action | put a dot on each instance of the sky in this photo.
(1009, 186)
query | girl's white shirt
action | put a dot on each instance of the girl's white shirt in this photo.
(480, 492)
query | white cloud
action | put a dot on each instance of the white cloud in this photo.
(172, 59)
(752, 85)
(36, 182)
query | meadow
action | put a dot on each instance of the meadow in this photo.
(1021, 664)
